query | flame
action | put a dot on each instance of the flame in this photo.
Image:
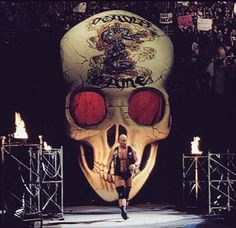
(46, 146)
(20, 132)
(195, 145)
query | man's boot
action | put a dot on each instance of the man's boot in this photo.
(123, 213)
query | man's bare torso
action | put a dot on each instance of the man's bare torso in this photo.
(122, 153)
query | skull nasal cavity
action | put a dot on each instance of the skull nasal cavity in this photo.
(146, 107)
(122, 130)
(87, 108)
(111, 134)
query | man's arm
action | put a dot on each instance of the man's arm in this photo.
(136, 160)
(136, 163)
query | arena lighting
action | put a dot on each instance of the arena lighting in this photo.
(195, 151)
(47, 147)
(195, 146)
(234, 8)
(20, 132)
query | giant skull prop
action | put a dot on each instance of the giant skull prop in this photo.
(116, 64)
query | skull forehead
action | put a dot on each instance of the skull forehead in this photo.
(116, 49)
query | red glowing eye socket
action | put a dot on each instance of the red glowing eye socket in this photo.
(87, 108)
(146, 107)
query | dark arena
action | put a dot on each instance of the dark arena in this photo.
(118, 114)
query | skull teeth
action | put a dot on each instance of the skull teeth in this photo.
(104, 184)
(100, 169)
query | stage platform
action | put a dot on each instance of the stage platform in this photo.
(161, 216)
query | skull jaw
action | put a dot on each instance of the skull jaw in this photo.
(98, 178)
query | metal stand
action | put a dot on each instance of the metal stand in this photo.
(214, 176)
(52, 182)
(194, 179)
(221, 182)
(41, 174)
(3, 206)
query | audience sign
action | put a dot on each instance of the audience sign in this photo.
(185, 21)
(204, 24)
(166, 18)
(80, 8)
(183, 3)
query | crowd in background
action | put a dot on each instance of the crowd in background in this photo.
(203, 81)
(209, 56)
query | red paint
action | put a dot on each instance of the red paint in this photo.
(88, 108)
(145, 107)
